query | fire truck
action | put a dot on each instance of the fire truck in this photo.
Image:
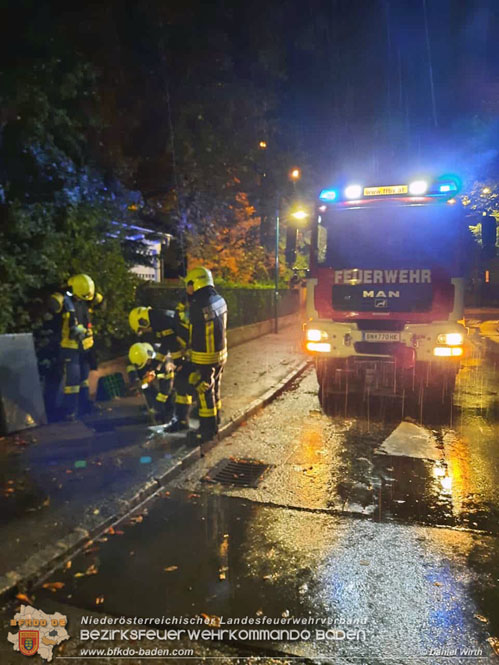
(385, 294)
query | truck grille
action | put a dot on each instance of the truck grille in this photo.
(377, 348)
(368, 324)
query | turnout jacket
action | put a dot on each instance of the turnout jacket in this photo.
(76, 319)
(208, 327)
(170, 332)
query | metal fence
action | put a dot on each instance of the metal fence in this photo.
(245, 306)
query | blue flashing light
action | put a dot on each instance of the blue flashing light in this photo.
(448, 187)
(328, 195)
(448, 182)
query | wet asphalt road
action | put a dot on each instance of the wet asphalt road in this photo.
(388, 548)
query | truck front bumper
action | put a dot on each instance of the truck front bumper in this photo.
(436, 342)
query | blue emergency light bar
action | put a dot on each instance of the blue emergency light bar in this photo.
(444, 187)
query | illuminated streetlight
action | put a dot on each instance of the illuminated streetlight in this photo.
(262, 145)
(295, 174)
(299, 215)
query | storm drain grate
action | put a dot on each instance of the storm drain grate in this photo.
(239, 472)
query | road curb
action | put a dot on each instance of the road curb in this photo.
(41, 564)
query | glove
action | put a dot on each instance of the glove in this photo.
(79, 332)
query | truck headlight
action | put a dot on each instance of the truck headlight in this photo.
(451, 339)
(314, 335)
(320, 347)
(447, 351)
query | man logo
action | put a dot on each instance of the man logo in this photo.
(29, 642)
(381, 303)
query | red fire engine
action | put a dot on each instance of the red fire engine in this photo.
(385, 295)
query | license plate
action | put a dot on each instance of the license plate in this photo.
(381, 337)
(385, 191)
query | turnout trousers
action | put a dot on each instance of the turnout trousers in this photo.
(183, 392)
(164, 397)
(75, 371)
(206, 380)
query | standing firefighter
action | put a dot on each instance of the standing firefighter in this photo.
(172, 337)
(75, 308)
(208, 346)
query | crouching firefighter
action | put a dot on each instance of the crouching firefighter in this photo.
(169, 335)
(208, 348)
(75, 307)
(144, 372)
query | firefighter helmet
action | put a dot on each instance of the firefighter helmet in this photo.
(82, 286)
(199, 277)
(139, 318)
(140, 353)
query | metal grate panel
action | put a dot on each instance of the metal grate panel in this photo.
(239, 472)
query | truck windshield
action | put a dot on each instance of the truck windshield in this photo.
(413, 236)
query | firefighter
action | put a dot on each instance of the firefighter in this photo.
(208, 348)
(143, 371)
(75, 307)
(171, 332)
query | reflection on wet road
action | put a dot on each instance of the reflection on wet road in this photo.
(335, 532)
(406, 591)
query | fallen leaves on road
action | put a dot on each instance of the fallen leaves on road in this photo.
(170, 569)
(494, 643)
(92, 550)
(136, 519)
(481, 618)
(46, 503)
(24, 597)
(364, 562)
(68, 565)
(91, 570)
(437, 584)
(115, 532)
(53, 586)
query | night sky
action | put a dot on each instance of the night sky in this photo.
(343, 86)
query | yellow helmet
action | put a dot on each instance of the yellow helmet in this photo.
(182, 312)
(139, 318)
(140, 353)
(199, 277)
(83, 286)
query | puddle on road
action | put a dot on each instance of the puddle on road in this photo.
(227, 557)
(412, 489)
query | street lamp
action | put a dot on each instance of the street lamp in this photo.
(299, 215)
(262, 145)
(294, 175)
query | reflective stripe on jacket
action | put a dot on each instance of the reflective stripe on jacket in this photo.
(207, 328)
